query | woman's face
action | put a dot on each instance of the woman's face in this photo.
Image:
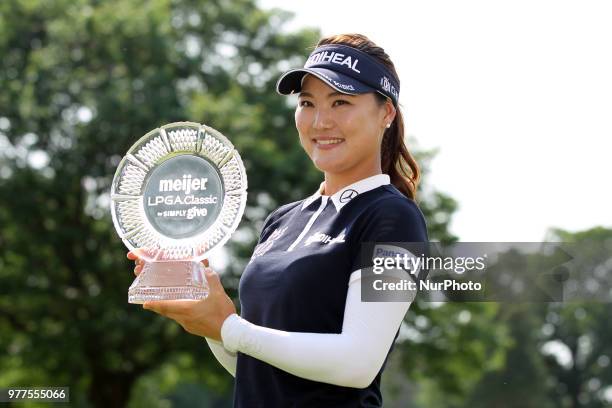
(341, 133)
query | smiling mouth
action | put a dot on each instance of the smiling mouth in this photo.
(326, 142)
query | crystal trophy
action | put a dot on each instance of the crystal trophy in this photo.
(178, 194)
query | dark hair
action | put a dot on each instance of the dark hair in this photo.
(396, 160)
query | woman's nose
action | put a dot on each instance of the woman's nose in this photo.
(322, 119)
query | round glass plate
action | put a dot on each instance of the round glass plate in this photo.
(179, 192)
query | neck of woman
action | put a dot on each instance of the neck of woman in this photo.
(335, 182)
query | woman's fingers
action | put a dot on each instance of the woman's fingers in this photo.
(134, 256)
(135, 253)
(138, 269)
(205, 262)
(214, 282)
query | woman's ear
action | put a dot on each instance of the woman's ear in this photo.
(390, 112)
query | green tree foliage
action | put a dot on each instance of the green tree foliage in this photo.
(560, 353)
(80, 81)
(582, 328)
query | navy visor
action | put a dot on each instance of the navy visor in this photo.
(346, 69)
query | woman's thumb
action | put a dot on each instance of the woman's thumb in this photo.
(212, 277)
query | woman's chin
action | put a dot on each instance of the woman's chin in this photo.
(327, 166)
(329, 162)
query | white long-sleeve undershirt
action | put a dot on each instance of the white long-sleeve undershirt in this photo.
(225, 358)
(352, 358)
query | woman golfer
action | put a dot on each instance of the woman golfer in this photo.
(304, 337)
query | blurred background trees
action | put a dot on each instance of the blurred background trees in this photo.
(80, 81)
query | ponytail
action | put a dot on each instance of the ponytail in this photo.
(396, 160)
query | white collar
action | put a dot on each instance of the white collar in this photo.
(343, 196)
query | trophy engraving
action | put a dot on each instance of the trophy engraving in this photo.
(178, 194)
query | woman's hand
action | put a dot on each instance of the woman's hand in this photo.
(200, 317)
(139, 263)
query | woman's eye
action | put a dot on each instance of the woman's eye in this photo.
(304, 103)
(340, 102)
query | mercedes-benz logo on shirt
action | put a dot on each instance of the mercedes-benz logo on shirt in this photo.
(347, 195)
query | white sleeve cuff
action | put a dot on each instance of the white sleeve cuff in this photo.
(231, 330)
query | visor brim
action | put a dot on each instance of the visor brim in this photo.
(291, 81)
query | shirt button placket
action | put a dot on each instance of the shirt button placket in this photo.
(324, 200)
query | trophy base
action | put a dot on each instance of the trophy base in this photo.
(169, 281)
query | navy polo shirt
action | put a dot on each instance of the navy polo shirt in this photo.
(297, 280)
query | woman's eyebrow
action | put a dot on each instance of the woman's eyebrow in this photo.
(330, 95)
(336, 93)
